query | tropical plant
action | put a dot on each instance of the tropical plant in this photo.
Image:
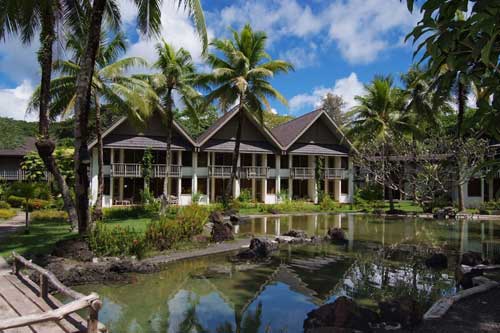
(241, 71)
(197, 116)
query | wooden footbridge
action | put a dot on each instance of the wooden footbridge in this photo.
(29, 307)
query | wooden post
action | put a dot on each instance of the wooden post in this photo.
(44, 286)
(93, 320)
(16, 267)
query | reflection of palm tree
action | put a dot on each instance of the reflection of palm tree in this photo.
(252, 321)
(191, 322)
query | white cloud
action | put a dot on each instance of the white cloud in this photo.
(347, 88)
(301, 57)
(19, 62)
(13, 102)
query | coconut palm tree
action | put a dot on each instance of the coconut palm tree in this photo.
(379, 116)
(241, 70)
(112, 90)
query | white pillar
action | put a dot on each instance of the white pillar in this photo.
(236, 185)
(351, 179)
(336, 183)
(212, 181)
(264, 180)
(122, 181)
(111, 179)
(312, 184)
(254, 187)
(326, 179)
(278, 176)
(179, 179)
(290, 178)
(194, 181)
(94, 185)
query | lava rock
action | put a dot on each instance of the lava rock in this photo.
(259, 248)
(235, 219)
(222, 232)
(471, 258)
(216, 217)
(404, 311)
(336, 235)
(296, 233)
(344, 313)
(464, 276)
(73, 249)
(445, 213)
(437, 260)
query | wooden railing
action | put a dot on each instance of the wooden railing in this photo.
(16, 175)
(134, 170)
(220, 171)
(81, 302)
(303, 173)
(159, 171)
(336, 173)
(251, 172)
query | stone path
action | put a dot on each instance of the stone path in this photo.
(6, 228)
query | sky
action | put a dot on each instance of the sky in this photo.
(335, 46)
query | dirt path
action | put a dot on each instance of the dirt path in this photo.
(6, 228)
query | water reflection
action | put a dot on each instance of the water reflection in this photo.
(216, 295)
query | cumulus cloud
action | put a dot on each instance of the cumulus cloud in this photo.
(347, 87)
(13, 102)
(301, 57)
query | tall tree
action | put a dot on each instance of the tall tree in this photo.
(111, 90)
(334, 105)
(26, 19)
(149, 22)
(241, 70)
(378, 117)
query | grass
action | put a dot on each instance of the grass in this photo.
(41, 239)
(139, 224)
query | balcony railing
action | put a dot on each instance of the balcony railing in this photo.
(17, 175)
(336, 173)
(252, 172)
(303, 173)
(220, 171)
(134, 170)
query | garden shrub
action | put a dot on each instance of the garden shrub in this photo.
(7, 213)
(245, 196)
(49, 215)
(289, 206)
(328, 204)
(33, 204)
(16, 202)
(371, 192)
(4, 205)
(116, 241)
(120, 213)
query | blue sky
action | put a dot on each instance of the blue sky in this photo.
(335, 46)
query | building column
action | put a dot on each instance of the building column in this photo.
(336, 183)
(326, 179)
(94, 185)
(179, 179)
(312, 184)
(122, 180)
(350, 169)
(278, 177)
(194, 181)
(290, 178)
(111, 178)
(212, 181)
(254, 186)
(236, 185)
(264, 180)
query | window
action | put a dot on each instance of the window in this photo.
(271, 186)
(106, 156)
(202, 185)
(474, 187)
(246, 159)
(202, 160)
(107, 185)
(284, 162)
(186, 186)
(344, 163)
(271, 161)
(187, 158)
(344, 186)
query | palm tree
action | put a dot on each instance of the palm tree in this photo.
(149, 22)
(111, 89)
(241, 70)
(378, 116)
(26, 19)
(176, 76)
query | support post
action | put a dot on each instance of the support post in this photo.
(194, 181)
(264, 180)
(278, 177)
(236, 185)
(336, 183)
(290, 177)
(93, 320)
(121, 179)
(111, 178)
(44, 286)
(254, 184)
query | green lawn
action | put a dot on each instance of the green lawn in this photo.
(138, 224)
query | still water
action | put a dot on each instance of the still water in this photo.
(383, 259)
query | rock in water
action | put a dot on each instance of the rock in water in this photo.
(337, 235)
(296, 233)
(437, 260)
(404, 311)
(344, 313)
(222, 232)
(471, 259)
(259, 248)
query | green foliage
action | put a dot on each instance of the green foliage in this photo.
(166, 232)
(16, 202)
(272, 120)
(6, 213)
(147, 165)
(490, 207)
(327, 204)
(49, 215)
(245, 196)
(33, 167)
(371, 192)
(196, 197)
(4, 205)
(289, 206)
(15, 132)
(197, 116)
(116, 241)
(120, 213)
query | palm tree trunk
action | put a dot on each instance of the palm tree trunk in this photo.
(44, 144)
(97, 215)
(169, 122)
(460, 119)
(82, 106)
(236, 153)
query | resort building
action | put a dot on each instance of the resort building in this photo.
(11, 159)
(272, 165)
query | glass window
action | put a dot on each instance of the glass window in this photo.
(344, 186)
(284, 162)
(202, 160)
(344, 163)
(107, 185)
(186, 186)
(474, 187)
(107, 156)
(271, 161)
(202, 185)
(187, 158)
(271, 186)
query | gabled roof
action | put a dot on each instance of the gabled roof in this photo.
(22, 150)
(289, 132)
(212, 130)
(120, 121)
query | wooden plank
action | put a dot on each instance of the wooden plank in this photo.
(7, 312)
(22, 305)
(72, 323)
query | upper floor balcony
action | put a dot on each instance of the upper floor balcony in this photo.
(336, 173)
(17, 175)
(134, 170)
(302, 173)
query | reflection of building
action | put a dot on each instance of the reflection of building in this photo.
(271, 162)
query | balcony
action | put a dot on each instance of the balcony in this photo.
(303, 173)
(17, 175)
(336, 173)
(134, 170)
(254, 172)
(220, 171)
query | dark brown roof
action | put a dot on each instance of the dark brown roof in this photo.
(318, 149)
(216, 125)
(25, 148)
(245, 146)
(287, 132)
(139, 142)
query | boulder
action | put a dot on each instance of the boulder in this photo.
(75, 249)
(344, 313)
(235, 218)
(471, 258)
(445, 213)
(336, 235)
(259, 248)
(216, 217)
(296, 233)
(222, 232)
(465, 274)
(404, 311)
(437, 260)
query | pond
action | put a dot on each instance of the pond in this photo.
(382, 259)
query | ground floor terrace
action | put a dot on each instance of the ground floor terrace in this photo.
(265, 178)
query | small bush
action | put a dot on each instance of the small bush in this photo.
(371, 192)
(49, 215)
(328, 204)
(33, 204)
(16, 202)
(4, 205)
(116, 241)
(245, 196)
(7, 213)
(120, 213)
(490, 205)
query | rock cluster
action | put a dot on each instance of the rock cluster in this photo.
(259, 248)
(336, 235)
(445, 213)
(221, 230)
